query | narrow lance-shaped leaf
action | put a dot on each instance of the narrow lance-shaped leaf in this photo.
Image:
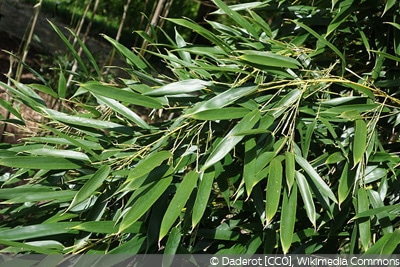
(288, 217)
(325, 42)
(130, 57)
(242, 21)
(178, 202)
(223, 99)
(202, 197)
(230, 140)
(148, 164)
(122, 95)
(91, 185)
(70, 47)
(38, 230)
(346, 183)
(364, 224)
(289, 169)
(269, 59)
(144, 203)
(124, 111)
(307, 197)
(250, 165)
(43, 163)
(274, 188)
(62, 85)
(321, 185)
(360, 141)
(181, 87)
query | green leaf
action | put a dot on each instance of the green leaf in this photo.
(203, 32)
(144, 203)
(372, 212)
(321, 185)
(323, 41)
(173, 241)
(250, 165)
(231, 140)
(130, 57)
(344, 11)
(38, 230)
(202, 197)
(288, 217)
(39, 162)
(360, 141)
(44, 89)
(181, 87)
(386, 245)
(221, 100)
(107, 227)
(389, 4)
(148, 164)
(274, 187)
(289, 169)
(23, 246)
(91, 185)
(268, 59)
(237, 17)
(346, 183)
(364, 224)
(124, 111)
(58, 153)
(70, 47)
(62, 85)
(306, 195)
(53, 196)
(122, 95)
(228, 113)
(87, 122)
(178, 202)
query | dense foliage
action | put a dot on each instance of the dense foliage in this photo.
(278, 136)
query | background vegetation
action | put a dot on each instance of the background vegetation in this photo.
(278, 133)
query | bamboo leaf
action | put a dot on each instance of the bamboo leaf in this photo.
(307, 197)
(38, 230)
(144, 203)
(123, 110)
(148, 164)
(288, 218)
(227, 113)
(221, 100)
(386, 245)
(62, 85)
(203, 32)
(130, 57)
(289, 169)
(70, 47)
(322, 40)
(250, 165)
(87, 122)
(230, 140)
(178, 202)
(90, 186)
(202, 197)
(268, 59)
(360, 141)
(181, 87)
(274, 188)
(43, 163)
(122, 95)
(321, 185)
(364, 224)
(346, 183)
(237, 17)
